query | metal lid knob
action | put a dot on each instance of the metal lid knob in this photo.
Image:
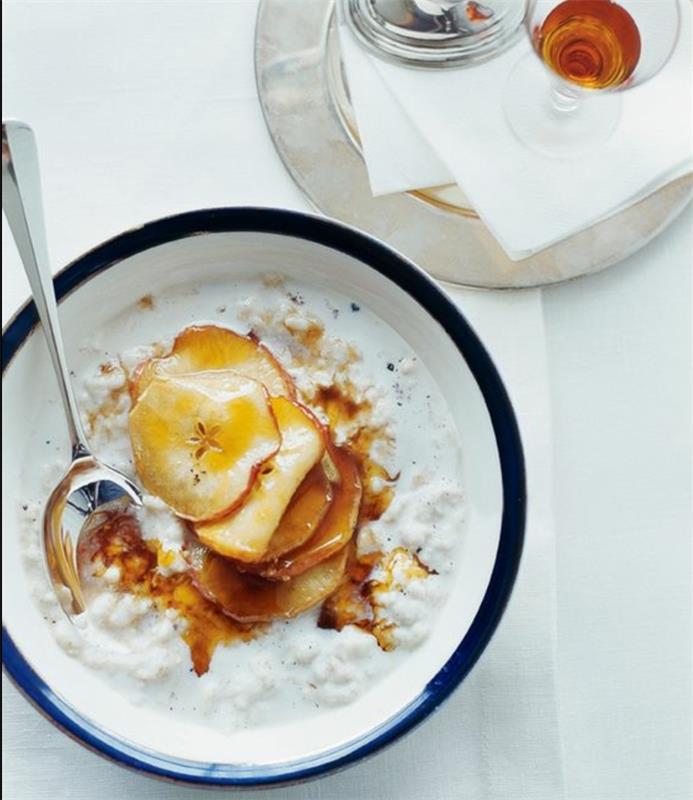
(435, 33)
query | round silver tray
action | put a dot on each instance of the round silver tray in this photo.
(305, 100)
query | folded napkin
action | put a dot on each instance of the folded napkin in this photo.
(394, 165)
(420, 127)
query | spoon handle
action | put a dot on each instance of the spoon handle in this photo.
(21, 202)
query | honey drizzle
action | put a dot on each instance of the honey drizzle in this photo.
(351, 604)
(111, 403)
(339, 405)
(355, 601)
(114, 539)
(146, 303)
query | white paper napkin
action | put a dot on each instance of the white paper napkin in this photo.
(408, 161)
(527, 200)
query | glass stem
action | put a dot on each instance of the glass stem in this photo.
(564, 100)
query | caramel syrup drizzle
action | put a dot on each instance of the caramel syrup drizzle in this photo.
(114, 539)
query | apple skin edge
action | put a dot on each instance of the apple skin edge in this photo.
(199, 348)
(334, 532)
(245, 535)
(249, 598)
(303, 571)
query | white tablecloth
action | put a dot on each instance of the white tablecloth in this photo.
(149, 108)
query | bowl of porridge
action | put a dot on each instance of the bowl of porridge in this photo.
(333, 498)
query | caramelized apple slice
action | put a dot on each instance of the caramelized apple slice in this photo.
(249, 598)
(209, 347)
(303, 515)
(199, 440)
(245, 534)
(335, 531)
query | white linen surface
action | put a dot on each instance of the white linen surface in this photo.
(146, 109)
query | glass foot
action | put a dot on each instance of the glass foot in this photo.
(551, 119)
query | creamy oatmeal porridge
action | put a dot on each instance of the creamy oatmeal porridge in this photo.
(286, 560)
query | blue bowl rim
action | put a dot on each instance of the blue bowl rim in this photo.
(425, 292)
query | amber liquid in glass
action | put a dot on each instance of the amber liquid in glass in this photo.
(592, 43)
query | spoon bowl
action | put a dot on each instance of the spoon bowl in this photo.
(88, 483)
(86, 487)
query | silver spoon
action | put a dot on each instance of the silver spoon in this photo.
(88, 483)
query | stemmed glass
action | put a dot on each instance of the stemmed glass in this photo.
(567, 101)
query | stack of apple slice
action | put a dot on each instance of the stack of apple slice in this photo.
(218, 434)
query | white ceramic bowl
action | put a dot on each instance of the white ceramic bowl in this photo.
(218, 246)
